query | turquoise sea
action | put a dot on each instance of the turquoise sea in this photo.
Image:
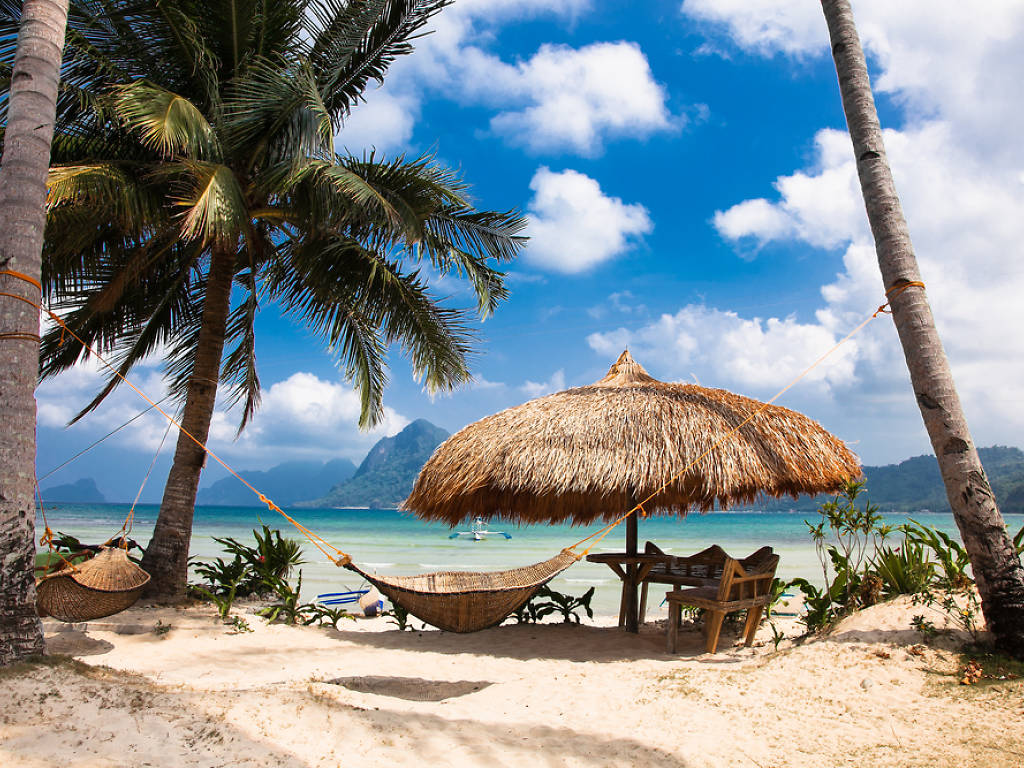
(395, 543)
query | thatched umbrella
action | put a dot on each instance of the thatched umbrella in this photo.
(591, 453)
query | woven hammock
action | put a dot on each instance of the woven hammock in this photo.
(467, 601)
(101, 586)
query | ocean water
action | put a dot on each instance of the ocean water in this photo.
(395, 543)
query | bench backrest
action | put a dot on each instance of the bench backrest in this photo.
(740, 584)
(706, 564)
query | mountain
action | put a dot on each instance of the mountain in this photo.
(287, 484)
(82, 491)
(916, 484)
(387, 473)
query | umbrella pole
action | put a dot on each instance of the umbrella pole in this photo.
(632, 571)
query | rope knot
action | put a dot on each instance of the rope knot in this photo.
(342, 561)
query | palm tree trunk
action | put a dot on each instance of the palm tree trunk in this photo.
(997, 569)
(166, 557)
(31, 114)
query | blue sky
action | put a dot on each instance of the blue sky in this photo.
(691, 195)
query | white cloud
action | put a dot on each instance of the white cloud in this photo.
(307, 417)
(572, 99)
(789, 26)
(385, 123)
(560, 98)
(574, 226)
(731, 351)
(538, 389)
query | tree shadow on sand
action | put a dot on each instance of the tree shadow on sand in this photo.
(163, 726)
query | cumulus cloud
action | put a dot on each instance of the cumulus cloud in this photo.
(573, 99)
(559, 98)
(574, 226)
(750, 354)
(309, 417)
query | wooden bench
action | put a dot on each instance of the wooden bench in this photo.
(737, 589)
(703, 569)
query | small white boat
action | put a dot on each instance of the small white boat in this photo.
(478, 532)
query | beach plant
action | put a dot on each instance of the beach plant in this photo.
(547, 602)
(844, 536)
(286, 608)
(194, 182)
(324, 614)
(949, 553)
(903, 570)
(238, 625)
(273, 557)
(224, 599)
(398, 616)
(553, 602)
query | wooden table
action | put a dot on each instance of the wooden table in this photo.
(632, 569)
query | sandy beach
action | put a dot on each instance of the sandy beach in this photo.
(135, 694)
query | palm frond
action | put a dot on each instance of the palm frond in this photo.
(167, 122)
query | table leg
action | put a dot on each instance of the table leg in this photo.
(630, 584)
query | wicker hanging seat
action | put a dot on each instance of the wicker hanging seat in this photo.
(101, 586)
(468, 601)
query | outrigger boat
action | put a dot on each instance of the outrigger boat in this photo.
(478, 531)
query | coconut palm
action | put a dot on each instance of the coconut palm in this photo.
(997, 569)
(195, 181)
(29, 71)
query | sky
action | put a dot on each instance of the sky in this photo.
(692, 196)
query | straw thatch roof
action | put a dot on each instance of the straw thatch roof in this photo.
(592, 452)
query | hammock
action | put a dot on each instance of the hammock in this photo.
(468, 601)
(102, 586)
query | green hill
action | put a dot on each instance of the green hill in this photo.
(916, 484)
(387, 473)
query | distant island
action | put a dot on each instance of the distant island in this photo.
(389, 470)
(287, 484)
(83, 491)
(386, 476)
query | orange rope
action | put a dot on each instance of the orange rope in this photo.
(600, 534)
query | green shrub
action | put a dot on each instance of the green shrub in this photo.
(904, 570)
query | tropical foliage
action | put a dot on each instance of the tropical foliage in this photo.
(195, 181)
(860, 568)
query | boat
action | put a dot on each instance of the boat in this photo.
(478, 532)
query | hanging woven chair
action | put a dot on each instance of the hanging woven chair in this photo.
(467, 601)
(101, 586)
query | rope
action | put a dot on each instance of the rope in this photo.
(600, 534)
(97, 442)
(126, 527)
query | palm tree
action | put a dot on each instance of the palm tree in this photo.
(195, 181)
(29, 72)
(997, 569)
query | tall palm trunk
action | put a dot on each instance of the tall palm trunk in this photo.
(166, 557)
(997, 569)
(30, 118)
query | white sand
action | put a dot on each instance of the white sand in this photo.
(547, 695)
